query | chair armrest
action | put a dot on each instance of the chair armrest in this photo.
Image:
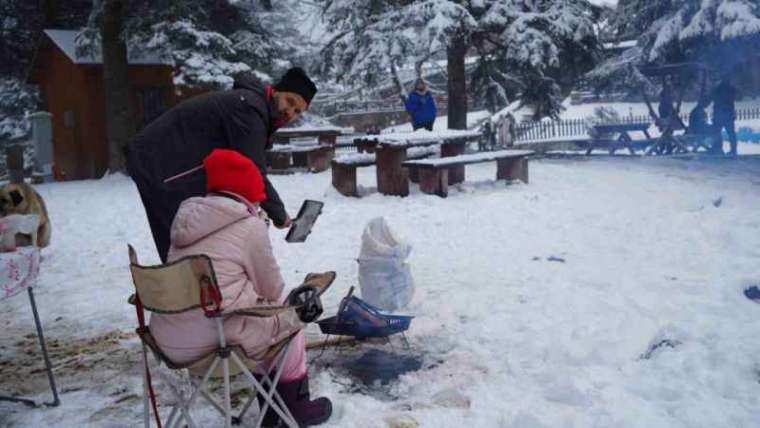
(261, 311)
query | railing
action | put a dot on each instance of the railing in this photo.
(545, 130)
(331, 108)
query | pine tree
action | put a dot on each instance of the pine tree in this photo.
(718, 33)
(541, 47)
(518, 43)
(21, 25)
(207, 40)
(210, 42)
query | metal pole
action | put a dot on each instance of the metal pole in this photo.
(225, 354)
(37, 324)
(146, 389)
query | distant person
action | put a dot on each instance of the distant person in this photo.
(488, 138)
(698, 118)
(242, 119)
(724, 111)
(698, 125)
(421, 106)
(506, 130)
(665, 108)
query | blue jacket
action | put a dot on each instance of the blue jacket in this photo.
(421, 108)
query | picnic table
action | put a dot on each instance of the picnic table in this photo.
(325, 135)
(313, 157)
(391, 151)
(18, 273)
(615, 136)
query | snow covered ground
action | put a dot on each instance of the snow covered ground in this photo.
(606, 293)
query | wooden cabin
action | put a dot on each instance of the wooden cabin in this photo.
(72, 89)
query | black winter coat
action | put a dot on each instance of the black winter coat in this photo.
(238, 119)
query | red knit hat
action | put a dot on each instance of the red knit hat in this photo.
(230, 171)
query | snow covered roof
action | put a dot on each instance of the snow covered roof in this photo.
(422, 136)
(609, 3)
(625, 44)
(66, 41)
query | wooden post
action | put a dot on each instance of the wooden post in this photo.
(300, 159)
(319, 160)
(344, 179)
(414, 175)
(434, 181)
(279, 160)
(14, 162)
(392, 178)
(512, 169)
(327, 139)
(456, 173)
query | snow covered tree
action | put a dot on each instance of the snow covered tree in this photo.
(294, 30)
(718, 33)
(21, 23)
(542, 46)
(519, 43)
(209, 41)
(372, 39)
(18, 23)
(16, 100)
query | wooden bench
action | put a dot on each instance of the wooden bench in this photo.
(344, 168)
(434, 173)
(315, 158)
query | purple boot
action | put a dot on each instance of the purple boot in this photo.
(296, 396)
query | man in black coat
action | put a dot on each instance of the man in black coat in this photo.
(243, 119)
(724, 111)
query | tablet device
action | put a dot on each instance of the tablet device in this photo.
(302, 225)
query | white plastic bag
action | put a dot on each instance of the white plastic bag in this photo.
(385, 279)
(12, 224)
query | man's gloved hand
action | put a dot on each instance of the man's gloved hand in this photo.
(286, 224)
(308, 302)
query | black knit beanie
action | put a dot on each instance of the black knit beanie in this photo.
(295, 80)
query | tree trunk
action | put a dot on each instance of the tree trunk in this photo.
(457, 84)
(51, 13)
(119, 118)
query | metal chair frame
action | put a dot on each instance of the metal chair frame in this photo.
(208, 365)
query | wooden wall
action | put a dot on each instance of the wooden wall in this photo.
(74, 94)
(61, 85)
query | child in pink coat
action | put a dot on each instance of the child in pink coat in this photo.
(228, 226)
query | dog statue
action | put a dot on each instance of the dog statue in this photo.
(21, 198)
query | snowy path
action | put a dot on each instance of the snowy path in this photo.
(643, 252)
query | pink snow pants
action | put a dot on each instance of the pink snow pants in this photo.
(294, 366)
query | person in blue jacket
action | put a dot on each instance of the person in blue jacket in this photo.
(421, 107)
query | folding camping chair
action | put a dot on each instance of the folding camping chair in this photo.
(188, 284)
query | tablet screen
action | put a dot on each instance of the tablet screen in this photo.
(302, 225)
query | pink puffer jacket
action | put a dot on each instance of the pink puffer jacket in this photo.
(238, 244)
